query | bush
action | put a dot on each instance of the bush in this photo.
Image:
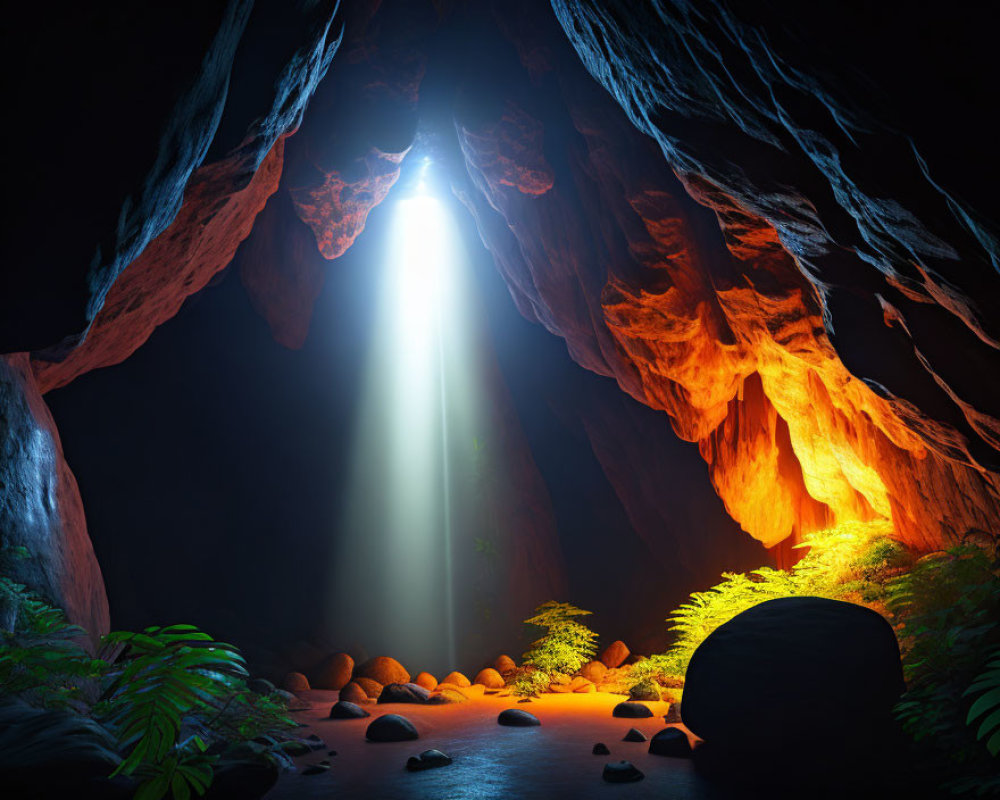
(567, 644)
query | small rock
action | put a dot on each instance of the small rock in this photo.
(391, 728)
(457, 679)
(594, 671)
(670, 742)
(334, 672)
(634, 735)
(316, 769)
(614, 654)
(622, 772)
(516, 718)
(293, 702)
(429, 759)
(586, 688)
(645, 690)
(314, 742)
(404, 693)
(371, 687)
(426, 680)
(446, 694)
(490, 678)
(631, 710)
(524, 700)
(261, 686)
(344, 709)
(383, 670)
(673, 714)
(504, 664)
(601, 749)
(296, 682)
(352, 693)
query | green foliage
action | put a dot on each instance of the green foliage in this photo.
(42, 660)
(530, 682)
(567, 644)
(987, 686)
(841, 561)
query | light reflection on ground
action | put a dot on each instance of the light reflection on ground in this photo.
(551, 762)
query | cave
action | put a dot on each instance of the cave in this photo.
(500, 398)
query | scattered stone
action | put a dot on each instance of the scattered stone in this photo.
(594, 671)
(670, 742)
(577, 683)
(622, 772)
(391, 728)
(382, 670)
(673, 714)
(316, 769)
(516, 718)
(372, 688)
(490, 678)
(404, 693)
(585, 688)
(631, 710)
(426, 680)
(352, 693)
(601, 749)
(457, 679)
(429, 759)
(446, 694)
(614, 654)
(334, 672)
(830, 671)
(314, 742)
(296, 682)
(261, 686)
(524, 700)
(560, 687)
(645, 690)
(295, 748)
(504, 665)
(634, 735)
(294, 702)
(344, 709)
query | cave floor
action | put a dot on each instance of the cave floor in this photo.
(549, 762)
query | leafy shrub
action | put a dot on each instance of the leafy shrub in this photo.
(567, 644)
(530, 682)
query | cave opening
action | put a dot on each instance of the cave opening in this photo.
(397, 363)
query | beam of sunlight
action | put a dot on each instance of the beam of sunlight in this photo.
(395, 578)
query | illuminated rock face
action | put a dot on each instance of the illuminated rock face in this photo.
(721, 312)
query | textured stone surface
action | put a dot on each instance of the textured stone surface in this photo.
(40, 507)
(334, 672)
(382, 669)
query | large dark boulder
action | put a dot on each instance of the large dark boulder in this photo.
(794, 674)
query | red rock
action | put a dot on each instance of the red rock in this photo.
(371, 688)
(353, 693)
(384, 670)
(334, 672)
(490, 678)
(296, 682)
(614, 654)
(504, 664)
(426, 680)
(457, 679)
(594, 671)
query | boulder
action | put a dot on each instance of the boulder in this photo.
(371, 688)
(614, 654)
(634, 735)
(344, 709)
(457, 679)
(429, 759)
(490, 678)
(383, 670)
(600, 749)
(645, 690)
(391, 728)
(334, 672)
(426, 680)
(404, 693)
(622, 772)
(296, 682)
(673, 714)
(797, 673)
(670, 742)
(583, 686)
(444, 695)
(504, 665)
(516, 718)
(594, 671)
(352, 693)
(631, 710)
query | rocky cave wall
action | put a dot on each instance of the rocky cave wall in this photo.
(780, 271)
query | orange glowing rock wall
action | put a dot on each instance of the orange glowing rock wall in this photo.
(697, 309)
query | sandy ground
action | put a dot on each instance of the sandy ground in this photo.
(549, 762)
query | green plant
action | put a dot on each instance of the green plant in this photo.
(163, 676)
(987, 686)
(530, 682)
(566, 645)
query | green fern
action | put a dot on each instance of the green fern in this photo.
(567, 644)
(988, 704)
